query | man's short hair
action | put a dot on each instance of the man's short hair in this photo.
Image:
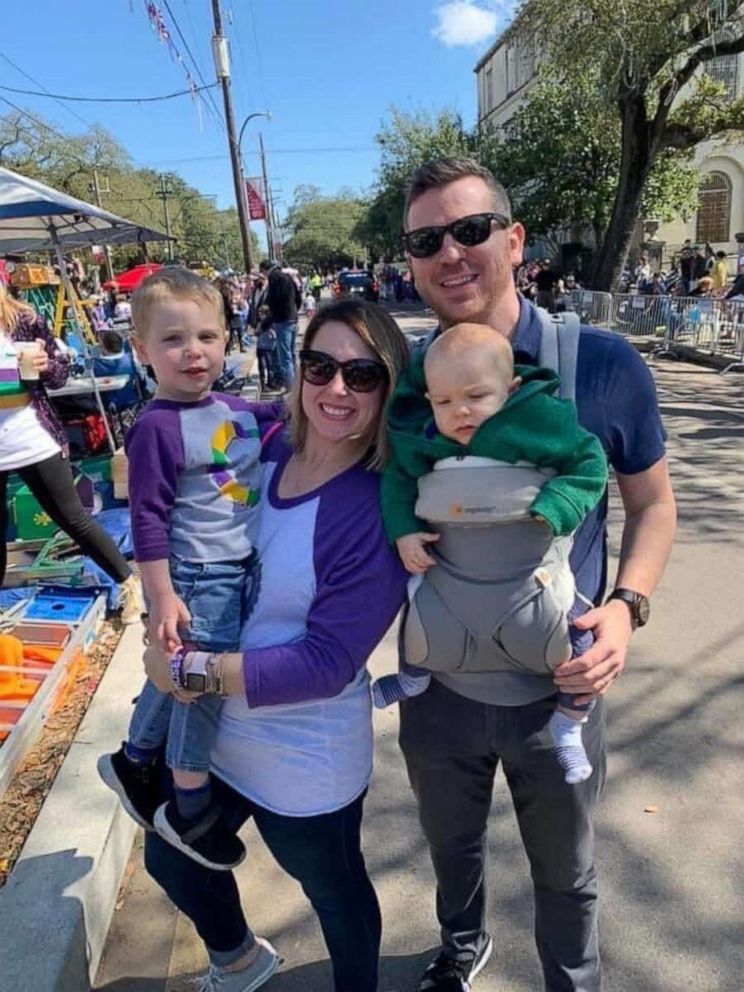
(171, 282)
(264, 265)
(112, 343)
(448, 169)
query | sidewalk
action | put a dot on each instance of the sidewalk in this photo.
(670, 827)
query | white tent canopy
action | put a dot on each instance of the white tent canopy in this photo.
(35, 217)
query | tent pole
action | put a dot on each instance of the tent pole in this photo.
(69, 291)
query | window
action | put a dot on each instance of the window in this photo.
(714, 208)
(724, 69)
(489, 89)
(511, 68)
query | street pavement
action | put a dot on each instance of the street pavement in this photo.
(669, 830)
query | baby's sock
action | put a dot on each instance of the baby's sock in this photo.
(392, 688)
(140, 755)
(569, 747)
(191, 803)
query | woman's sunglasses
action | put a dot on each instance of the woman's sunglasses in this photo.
(473, 230)
(360, 375)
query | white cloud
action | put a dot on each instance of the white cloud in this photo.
(462, 22)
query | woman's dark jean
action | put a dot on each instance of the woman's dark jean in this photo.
(322, 852)
(52, 484)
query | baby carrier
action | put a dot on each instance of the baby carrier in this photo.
(499, 595)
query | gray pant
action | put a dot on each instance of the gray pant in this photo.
(452, 746)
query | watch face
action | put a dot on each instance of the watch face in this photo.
(196, 683)
(642, 610)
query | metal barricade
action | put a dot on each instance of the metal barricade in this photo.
(592, 306)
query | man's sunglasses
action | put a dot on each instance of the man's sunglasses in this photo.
(473, 230)
(360, 375)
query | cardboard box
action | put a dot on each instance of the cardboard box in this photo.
(120, 474)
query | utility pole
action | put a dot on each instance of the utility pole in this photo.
(222, 67)
(267, 200)
(106, 250)
(162, 194)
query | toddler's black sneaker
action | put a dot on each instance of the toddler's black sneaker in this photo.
(137, 784)
(207, 840)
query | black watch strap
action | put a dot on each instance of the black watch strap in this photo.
(638, 604)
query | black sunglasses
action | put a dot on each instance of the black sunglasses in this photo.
(473, 230)
(360, 375)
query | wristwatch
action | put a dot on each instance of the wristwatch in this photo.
(197, 671)
(638, 604)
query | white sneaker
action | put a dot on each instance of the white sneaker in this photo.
(130, 598)
(247, 979)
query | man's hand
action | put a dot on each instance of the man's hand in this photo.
(167, 612)
(413, 553)
(593, 673)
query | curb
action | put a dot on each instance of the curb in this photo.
(57, 904)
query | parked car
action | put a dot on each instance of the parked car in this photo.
(358, 284)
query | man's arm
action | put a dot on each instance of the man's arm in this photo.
(650, 523)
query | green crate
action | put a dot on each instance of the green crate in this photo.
(97, 468)
(31, 521)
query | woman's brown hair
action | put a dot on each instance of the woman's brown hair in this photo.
(382, 335)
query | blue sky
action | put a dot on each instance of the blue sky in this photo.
(328, 71)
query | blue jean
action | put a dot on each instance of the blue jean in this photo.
(219, 597)
(286, 335)
(453, 746)
(323, 853)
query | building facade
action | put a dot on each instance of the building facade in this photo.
(504, 76)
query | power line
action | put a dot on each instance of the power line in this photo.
(37, 83)
(110, 99)
(210, 98)
(276, 151)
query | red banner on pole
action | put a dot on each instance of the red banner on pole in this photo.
(256, 206)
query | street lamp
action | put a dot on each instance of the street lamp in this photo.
(258, 113)
(267, 201)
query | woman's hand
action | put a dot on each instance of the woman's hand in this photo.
(157, 669)
(40, 358)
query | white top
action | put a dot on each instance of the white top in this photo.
(23, 438)
(298, 759)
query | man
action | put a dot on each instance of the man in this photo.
(686, 264)
(283, 300)
(454, 735)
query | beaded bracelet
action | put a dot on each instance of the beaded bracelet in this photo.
(176, 668)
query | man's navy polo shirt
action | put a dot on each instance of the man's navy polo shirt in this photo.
(616, 400)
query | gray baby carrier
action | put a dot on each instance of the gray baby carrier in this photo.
(499, 595)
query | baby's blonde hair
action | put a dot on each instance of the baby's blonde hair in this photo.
(467, 338)
(171, 282)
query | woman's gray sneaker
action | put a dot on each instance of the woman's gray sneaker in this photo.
(247, 979)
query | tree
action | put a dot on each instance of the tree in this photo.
(647, 60)
(406, 141)
(322, 230)
(559, 158)
(67, 162)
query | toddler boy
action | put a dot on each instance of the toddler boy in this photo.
(483, 411)
(193, 490)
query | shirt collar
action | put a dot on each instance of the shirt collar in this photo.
(527, 334)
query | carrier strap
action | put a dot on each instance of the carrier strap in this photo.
(559, 348)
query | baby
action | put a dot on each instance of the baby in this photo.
(486, 413)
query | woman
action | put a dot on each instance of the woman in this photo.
(294, 747)
(33, 444)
